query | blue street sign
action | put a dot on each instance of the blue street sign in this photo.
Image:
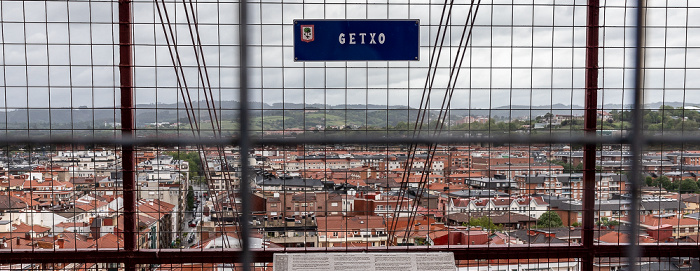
(356, 40)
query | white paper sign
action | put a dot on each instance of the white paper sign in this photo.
(439, 261)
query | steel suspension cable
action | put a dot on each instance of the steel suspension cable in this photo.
(210, 102)
(187, 100)
(425, 98)
(443, 113)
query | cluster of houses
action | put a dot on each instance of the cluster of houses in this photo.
(338, 196)
(511, 186)
(73, 199)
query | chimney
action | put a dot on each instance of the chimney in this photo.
(95, 229)
(60, 243)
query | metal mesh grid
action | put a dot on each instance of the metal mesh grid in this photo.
(521, 61)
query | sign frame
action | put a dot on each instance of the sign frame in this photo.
(299, 42)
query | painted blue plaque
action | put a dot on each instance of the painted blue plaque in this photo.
(356, 40)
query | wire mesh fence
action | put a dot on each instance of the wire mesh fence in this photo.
(516, 142)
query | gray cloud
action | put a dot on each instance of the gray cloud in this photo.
(517, 54)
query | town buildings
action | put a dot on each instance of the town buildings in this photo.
(337, 197)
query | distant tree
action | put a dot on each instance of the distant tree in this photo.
(568, 168)
(688, 186)
(615, 115)
(549, 219)
(651, 181)
(483, 222)
(548, 116)
(194, 161)
(190, 198)
(666, 183)
(607, 222)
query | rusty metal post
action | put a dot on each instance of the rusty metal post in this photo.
(126, 82)
(589, 127)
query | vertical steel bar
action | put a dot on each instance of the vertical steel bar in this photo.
(126, 82)
(244, 143)
(636, 136)
(589, 127)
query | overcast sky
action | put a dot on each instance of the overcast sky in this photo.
(518, 54)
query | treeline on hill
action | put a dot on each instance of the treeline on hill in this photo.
(666, 118)
(371, 120)
(326, 118)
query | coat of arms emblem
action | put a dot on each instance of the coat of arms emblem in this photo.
(307, 33)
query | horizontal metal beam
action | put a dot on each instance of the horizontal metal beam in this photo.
(359, 139)
(175, 256)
